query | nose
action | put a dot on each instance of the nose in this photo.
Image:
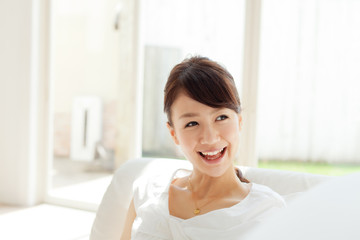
(209, 135)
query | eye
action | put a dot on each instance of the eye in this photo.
(221, 117)
(191, 124)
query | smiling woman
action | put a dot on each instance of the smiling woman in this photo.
(212, 201)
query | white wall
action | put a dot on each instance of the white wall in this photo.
(21, 62)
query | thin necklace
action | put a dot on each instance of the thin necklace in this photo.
(197, 210)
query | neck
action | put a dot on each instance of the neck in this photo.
(205, 186)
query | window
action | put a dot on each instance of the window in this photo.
(309, 106)
(172, 31)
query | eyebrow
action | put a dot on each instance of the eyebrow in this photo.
(189, 115)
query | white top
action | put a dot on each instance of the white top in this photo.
(153, 220)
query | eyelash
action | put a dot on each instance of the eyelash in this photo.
(193, 123)
(223, 117)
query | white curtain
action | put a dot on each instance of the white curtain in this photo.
(309, 100)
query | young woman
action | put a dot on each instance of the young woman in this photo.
(213, 201)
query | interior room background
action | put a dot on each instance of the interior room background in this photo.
(108, 62)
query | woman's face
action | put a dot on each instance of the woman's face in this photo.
(208, 137)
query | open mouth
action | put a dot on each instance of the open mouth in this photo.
(213, 156)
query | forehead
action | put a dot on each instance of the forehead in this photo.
(185, 106)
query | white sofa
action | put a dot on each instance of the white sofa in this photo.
(111, 214)
(328, 211)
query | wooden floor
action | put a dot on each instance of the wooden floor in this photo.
(44, 222)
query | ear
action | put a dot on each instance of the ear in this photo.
(172, 133)
(240, 122)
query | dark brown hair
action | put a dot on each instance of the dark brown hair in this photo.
(203, 80)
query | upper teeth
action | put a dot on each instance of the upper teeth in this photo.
(211, 153)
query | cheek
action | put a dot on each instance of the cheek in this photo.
(185, 140)
(232, 132)
(187, 143)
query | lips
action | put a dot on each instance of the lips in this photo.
(213, 156)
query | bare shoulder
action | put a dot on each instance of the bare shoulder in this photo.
(179, 199)
(178, 189)
(180, 182)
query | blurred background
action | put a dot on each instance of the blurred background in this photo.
(83, 87)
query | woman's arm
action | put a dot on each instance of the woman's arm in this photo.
(131, 215)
